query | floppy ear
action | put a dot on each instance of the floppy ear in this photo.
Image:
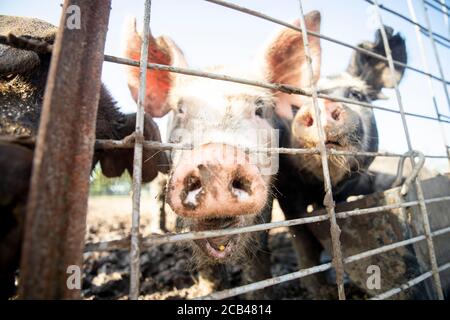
(286, 61)
(14, 60)
(373, 71)
(162, 50)
(115, 162)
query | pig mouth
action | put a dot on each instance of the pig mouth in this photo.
(333, 144)
(337, 144)
(222, 247)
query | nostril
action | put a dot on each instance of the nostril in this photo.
(307, 120)
(193, 183)
(336, 114)
(192, 188)
(241, 188)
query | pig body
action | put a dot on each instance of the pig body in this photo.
(347, 127)
(23, 75)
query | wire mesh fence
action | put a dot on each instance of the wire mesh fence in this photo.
(338, 261)
(136, 243)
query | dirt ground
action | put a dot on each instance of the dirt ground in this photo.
(166, 271)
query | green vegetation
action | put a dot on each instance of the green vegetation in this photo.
(101, 185)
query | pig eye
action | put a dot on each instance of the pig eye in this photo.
(356, 95)
(259, 112)
(181, 108)
(294, 109)
(260, 108)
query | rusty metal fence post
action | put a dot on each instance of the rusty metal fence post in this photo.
(56, 214)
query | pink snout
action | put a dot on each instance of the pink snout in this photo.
(335, 120)
(331, 115)
(216, 180)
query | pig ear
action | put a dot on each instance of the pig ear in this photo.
(373, 71)
(286, 62)
(162, 50)
(14, 60)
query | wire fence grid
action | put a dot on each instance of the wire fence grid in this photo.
(136, 242)
(338, 262)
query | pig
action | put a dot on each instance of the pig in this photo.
(216, 185)
(23, 74)
(347, 127)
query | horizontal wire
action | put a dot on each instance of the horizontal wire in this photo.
(121, 144)
(436, 8)
(148, 144)
(273, 86)
(196, 235)
(423, 29)
(305, 272)
(409, 284)
(425, 33)
(442, 4)
(319, 35)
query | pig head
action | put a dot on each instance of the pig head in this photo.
(218, 185)
(347, 126)
(23, 75)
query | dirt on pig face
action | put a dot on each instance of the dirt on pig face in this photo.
(209, 185)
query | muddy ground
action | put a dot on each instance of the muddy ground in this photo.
(166, 269)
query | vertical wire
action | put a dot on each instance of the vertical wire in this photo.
(436, 53)
(430, 82)
(419, 191)
(137, 162)
(445, 15)
(328, 199)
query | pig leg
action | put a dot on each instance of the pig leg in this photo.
(258, 267)
(307, 247)
(15, 166)
(308, 251)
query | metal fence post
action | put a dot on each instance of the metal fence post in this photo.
(56, 216)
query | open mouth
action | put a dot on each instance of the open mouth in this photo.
(218, 248)
(333, 144)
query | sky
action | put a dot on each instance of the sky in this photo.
(209, 35)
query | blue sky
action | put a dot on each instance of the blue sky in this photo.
(209, 34)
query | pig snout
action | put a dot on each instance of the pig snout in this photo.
(215, 181)
(335, 121)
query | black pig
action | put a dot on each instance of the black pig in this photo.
(347, 127)
(23, 74)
